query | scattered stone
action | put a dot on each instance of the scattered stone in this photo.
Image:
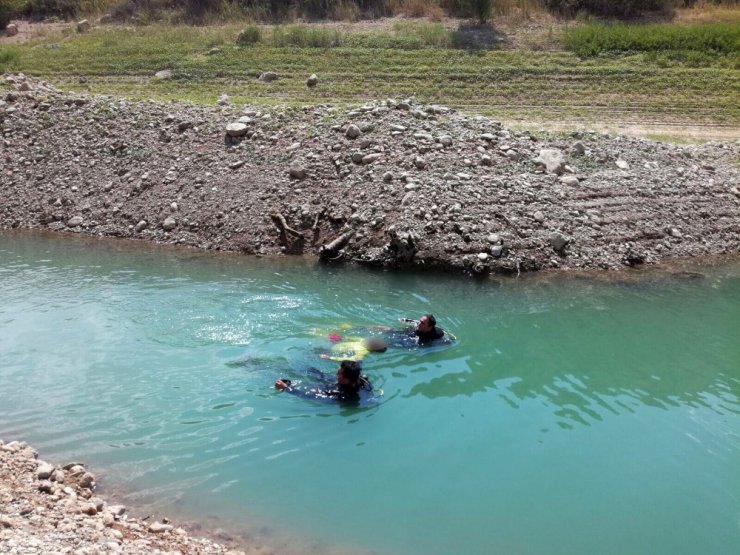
(539, 216)
(163, 74)
(578, 149)
(370, 158)
(83, 26)
(236, 129)
(298, 171)
(558, 242)
(75, 221)
(223, 100)
(268, 77)
(44, 470)
(352, 132)
(168, 225)
(159, 528)
(571, 180)
(622, 165)
(552, 160)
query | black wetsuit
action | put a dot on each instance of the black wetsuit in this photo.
(330, 390)
(409, 338)
(429, 336)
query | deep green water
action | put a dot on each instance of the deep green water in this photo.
(573, 415)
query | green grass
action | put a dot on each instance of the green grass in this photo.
(709, 40)
(511, 85)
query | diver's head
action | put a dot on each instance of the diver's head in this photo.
(348, 373)
(427, 322)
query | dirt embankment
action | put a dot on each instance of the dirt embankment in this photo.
(392, 184)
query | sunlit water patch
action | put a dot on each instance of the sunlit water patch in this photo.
(571, 416)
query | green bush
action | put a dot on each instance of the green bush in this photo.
(40, 9)
(6, 14)
(482, 9)
(249, 35)
(305, 36)
(608, 8)
(712, 39)
(7, 57)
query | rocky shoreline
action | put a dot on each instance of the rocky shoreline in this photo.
(47, 508)
(390, 184)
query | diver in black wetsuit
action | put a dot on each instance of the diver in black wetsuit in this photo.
(426, 329)
(347, 388)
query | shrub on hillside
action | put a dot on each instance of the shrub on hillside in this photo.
(482, 9)
(6, 14)
(249, 35)
(41, 9)
(608, 8)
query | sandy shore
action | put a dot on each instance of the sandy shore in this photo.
(47, 508)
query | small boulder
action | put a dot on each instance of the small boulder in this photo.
(569, 180)
(268, 77)
(87, 481)
(298, 171)
(163, 74)
(552, 160)
(83, 26)
(75, 221)
(352, 131)
(169, 224)
(312, 81)
(11, 30)
(158, 528)
(44, 470)
(370, 158)
(558, 242)
(236, 129)
(622, 164)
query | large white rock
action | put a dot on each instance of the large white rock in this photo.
(552, 159)
(236, 129)
(169, 224)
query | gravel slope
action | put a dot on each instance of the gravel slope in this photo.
(396, 183)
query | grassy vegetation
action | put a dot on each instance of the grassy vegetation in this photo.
(712, 39)
(511, 85)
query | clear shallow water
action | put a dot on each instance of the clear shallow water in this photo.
(573, 415)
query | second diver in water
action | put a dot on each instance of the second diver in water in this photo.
(349, 386)
(425, 329)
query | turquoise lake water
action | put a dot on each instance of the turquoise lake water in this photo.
(573, 415)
